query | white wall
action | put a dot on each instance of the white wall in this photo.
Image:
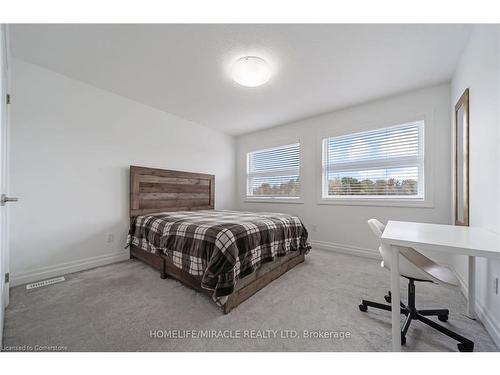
(344, 227)
(479, 70)
(71, 148)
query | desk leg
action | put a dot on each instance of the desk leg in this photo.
(471, 293)
(395, 299)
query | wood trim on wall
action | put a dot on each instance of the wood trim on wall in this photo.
(462, 102)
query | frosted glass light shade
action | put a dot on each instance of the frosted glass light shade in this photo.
(251, 71)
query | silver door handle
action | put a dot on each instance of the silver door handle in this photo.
(4, 199)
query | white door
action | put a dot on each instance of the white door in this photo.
(4, 249)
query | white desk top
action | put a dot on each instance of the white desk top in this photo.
(448, 238)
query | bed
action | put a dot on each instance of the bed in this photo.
(228, 255)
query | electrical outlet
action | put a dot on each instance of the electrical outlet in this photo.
(110, 237)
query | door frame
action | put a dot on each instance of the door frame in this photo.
(4, 172)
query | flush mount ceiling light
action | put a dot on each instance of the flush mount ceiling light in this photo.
(251, 71)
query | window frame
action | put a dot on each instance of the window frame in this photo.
(425, 198)
(270, 199)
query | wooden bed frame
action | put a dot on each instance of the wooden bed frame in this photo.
(159, 190)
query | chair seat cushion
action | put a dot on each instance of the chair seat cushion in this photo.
(436, 272)
(415, 265)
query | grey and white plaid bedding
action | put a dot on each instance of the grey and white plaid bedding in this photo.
(219, 247)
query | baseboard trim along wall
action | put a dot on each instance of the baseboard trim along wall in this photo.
(65, 268)
(489, 322)
(346, 249)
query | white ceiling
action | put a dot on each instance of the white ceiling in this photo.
(183, 69)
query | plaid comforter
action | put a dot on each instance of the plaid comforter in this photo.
(219, 246)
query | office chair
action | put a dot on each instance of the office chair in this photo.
(415, 266)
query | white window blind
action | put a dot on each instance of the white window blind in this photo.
(383, 163)
(274, 172)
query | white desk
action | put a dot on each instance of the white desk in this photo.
(471, 241)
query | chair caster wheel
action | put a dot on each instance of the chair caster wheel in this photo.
(403, 339)
(465, 347)
(363, 308)
(387, 297)
(443, 318)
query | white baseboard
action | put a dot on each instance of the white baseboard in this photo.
(346, 249)
(65, 268)
(483, 314)
(489, 322)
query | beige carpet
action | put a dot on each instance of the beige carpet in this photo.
(122, 307)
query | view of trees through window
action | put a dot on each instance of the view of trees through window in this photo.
(386, 162)
(274, 172)
(343, 186)
(353, 186)
(290, 188)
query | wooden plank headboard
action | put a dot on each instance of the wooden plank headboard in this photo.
(160, 190)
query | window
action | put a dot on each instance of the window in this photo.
(274, 172)
(385, 164)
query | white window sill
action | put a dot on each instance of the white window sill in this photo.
(419, 203)
(274, 200)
